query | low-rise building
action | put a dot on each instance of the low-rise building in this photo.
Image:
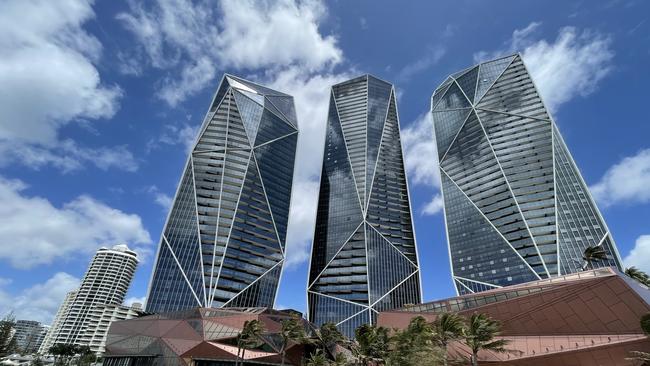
(100, 318)
(582, 319)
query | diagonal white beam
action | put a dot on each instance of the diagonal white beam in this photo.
(491, 224)
(180, 268)
(337, 253)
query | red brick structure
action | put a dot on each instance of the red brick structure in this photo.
(584, 319)
(197, 337)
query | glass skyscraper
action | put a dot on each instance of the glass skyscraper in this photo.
(516, 206)
(224, 240)
(364, 257)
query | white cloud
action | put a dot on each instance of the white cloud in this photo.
(639, 256)
(183, 35)
(198, 38)
(162, 199)
(432, 57)
(434, 206)
(41, 301)
(572, 65)
(311, 96)
(67, 156)
(626, 182)
(49, 80)
(33, 231)
(420, 153)
(134, 299)
(175, 135)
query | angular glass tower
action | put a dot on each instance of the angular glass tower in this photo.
(224, 240)
(516, 206)
(364, 257)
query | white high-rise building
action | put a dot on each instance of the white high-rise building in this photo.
(48, 341)
(100, 318)
(105, 283)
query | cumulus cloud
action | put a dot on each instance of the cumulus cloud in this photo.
(311, 96)
(198, 38)
(160, 198)
(626, 182)
(572, 65)
(184, 135)
(183, 37)
(639, 256)
(48, 81)
(434, 206)
(33, 231)
(39, 302)
(420, 152)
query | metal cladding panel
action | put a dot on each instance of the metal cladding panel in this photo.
(364, 252)
(227, 226)
(503, 153)
(583, 319)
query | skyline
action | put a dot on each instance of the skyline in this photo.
(99, 170)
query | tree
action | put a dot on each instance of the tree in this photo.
(86, 355)
(638, 275)
(249, 337)
(479, 334)
(292, 331)
(415, 346)
(63, 353)
(372, 343)
(592, 254)
(317, 358)
(327, 337)
(645, 324)
(7, 339)
(447, 328)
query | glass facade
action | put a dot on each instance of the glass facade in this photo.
(224, 240)
(516, 207)
(364, 257)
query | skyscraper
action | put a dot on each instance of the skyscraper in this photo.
(516, 206)
(52, 332)
(106, 282)
(364, 257)
(29, 335)
(224, 240)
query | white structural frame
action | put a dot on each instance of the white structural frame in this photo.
(364, 209)
(208, 298)
(474, 102)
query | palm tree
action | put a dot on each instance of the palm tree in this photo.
(415, 346)
(292, 331)
(317, 359)
(645, 324)
(328, 337)
(638, 275)
(249, 337)
(479, 334)
(372, 343)
(592, 254)
(447, 328)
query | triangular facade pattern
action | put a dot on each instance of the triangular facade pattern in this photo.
(223, 242)
(364, 255)
(509, 180)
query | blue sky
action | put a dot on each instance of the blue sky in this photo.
(99, 101)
